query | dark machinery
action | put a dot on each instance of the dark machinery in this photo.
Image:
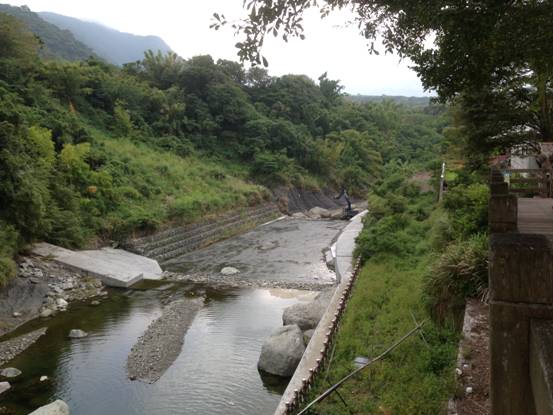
(348, 212)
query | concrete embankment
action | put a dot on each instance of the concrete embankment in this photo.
(345, 245)
(180, 240)
(114, 267)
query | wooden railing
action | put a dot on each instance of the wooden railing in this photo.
(529, 182)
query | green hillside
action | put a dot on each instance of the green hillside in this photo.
(94, 151)
(56, 43)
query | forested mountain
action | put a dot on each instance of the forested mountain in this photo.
(91, 150)
(413, 101)
(56, 43)
(114, 46)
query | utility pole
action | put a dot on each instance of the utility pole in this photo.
(442, 179)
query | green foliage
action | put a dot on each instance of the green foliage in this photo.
(273, 167)
(417, 378)
(123, 124)
(398, 216)
(460, 272)
(91, 150)
(468, 208)
(9, 243)
(15, 41)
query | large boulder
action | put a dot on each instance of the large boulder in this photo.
(318, 213)
(282, 351)
(58, 407)
(307, 315)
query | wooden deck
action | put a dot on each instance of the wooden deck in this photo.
(535, 215)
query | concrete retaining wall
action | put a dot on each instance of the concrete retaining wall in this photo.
(316, 353)
(177, 241)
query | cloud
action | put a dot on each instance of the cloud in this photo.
(329, 47)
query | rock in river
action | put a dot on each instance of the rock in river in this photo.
(282, 351)
(4, 386)
(307, 315)
(10, 372)
(58, 407)
(77, 334)
(229, 271)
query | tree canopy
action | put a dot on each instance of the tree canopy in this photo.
(495, 59)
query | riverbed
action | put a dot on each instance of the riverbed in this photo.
(216, 371)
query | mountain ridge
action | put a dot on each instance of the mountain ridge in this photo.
(56, 43)
(110, 44)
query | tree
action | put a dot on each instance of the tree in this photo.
(331, 90)
(477, 45)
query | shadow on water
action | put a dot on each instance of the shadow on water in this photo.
(216, 372)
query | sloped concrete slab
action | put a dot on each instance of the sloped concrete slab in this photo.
(115, 267)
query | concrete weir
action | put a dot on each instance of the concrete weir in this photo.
(115, 267)
(344, 247)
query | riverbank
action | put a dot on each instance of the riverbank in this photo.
(386, 303)
(42, 288)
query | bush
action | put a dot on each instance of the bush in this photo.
(468, 207)
(461, 272)
(9, 242)
(390, 235)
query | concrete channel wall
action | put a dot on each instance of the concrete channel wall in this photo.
(168, 244)
(317, 350)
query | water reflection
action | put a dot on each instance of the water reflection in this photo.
(216, 373)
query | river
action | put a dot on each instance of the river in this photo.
(216, 372)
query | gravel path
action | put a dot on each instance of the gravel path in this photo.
(156, 350)
(11, 348)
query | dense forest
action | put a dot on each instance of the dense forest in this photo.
(90, 150)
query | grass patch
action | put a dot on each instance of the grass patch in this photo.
(417, 378)
(154, 187)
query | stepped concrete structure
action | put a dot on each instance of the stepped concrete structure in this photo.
(177, 241)
(115, 267)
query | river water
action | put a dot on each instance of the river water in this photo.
(216, 372)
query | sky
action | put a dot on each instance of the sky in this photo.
(330, 46)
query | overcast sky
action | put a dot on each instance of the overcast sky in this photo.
(184, 25)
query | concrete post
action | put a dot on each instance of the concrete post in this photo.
(503, 207)
(521, 290)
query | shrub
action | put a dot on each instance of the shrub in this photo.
(387, 236)
(378, 206)
(468, 205)
(461, 272)
(9, 241)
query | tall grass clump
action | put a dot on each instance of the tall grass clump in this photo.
(460, 272)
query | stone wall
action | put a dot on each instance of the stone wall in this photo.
(521, 297)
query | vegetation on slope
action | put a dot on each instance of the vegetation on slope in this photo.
(56, 42)
(90, 150)
(421, 260)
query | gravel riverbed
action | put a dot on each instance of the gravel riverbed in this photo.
(11, 348)
(156, 350)
(234, 281)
